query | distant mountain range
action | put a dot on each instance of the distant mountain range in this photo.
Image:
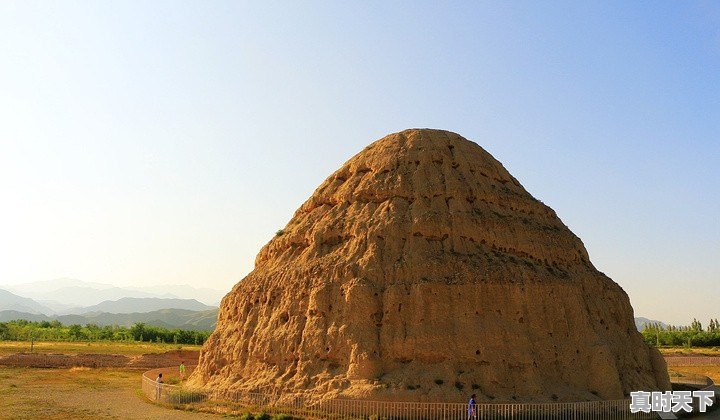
(640, 323)
(75, 302)
(62, 294)
(13, 302)
(167, 318)
(129, 305)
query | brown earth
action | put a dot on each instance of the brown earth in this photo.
(80, 394)
(422, 270)
(96, 360)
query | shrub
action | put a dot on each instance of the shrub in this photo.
(282, 417)
(279, 232)
(263, 416)
(247, 416)
(185, 397)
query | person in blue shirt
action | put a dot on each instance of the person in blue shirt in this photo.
(471, 407)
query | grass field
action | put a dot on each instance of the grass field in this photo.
(97, 347)
(114, 393)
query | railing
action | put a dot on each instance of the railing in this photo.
(302, 406)
(695, 382)
(169, 393)
(361, 409)
(691, 380)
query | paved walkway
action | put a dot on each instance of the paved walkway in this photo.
(713, 415)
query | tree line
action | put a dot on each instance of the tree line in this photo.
(693, 335)
(22, 330)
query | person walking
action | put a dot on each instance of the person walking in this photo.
(182, 371)
(471, 408)
(158, 384)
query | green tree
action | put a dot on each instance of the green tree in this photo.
(75, 332)
(137, 331)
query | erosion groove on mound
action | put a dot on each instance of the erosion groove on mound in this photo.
(422, 270)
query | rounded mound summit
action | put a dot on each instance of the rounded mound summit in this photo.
(421, 270)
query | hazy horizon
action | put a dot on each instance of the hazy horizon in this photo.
(86, 282)
(164, 143)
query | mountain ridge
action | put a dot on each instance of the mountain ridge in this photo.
(65, 293)
(128, 305)
(12, 301)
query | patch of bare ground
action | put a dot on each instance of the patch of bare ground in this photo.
(694, 351)
(97, 360)
(79, 393)
(85, 380)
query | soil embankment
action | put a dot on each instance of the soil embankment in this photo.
(56, 360)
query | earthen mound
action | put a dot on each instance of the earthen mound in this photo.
(422, 270)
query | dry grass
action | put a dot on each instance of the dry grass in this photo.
(100, 347)
(712, 372)
(691, 351)
(82, 394)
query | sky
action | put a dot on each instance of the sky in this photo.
(164, 142)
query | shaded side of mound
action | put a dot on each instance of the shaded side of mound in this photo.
(422, 270)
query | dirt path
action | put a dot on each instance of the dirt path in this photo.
(79, 393)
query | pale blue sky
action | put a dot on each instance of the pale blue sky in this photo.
(166, 142)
